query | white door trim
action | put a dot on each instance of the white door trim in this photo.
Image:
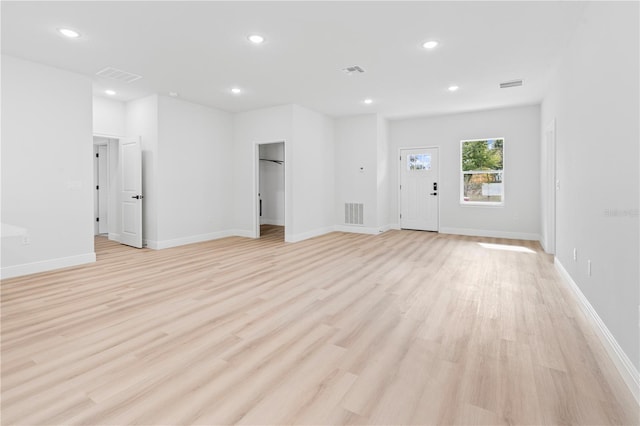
(108, 136)
(103, 192)
(399, 172)
(95, 192)
(112, 198)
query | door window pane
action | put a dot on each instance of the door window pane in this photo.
(419, 162)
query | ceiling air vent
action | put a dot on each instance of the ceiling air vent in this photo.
(353, 70)
(118, 75)
(507, 84)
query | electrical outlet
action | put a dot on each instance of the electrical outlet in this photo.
(575, 254)
(588, 267)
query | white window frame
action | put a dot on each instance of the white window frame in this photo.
(462, 173)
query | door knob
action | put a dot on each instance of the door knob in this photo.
(137, 197)
(434, 193)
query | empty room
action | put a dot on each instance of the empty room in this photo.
(320, 213)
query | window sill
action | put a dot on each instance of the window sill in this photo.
(481, 204)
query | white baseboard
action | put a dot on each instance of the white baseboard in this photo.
(622, 362)
(385, 228)
(395, 226)
(114, 237)
(356, 229)
(361, 229)
(266, 221)
(46, 265)
(543, 244)
(241, 233)
(163, 244)
(491, 233)
(310, 234)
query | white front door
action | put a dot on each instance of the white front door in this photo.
(419, 189)
(130, 164)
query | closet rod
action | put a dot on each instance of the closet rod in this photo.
(273, 161)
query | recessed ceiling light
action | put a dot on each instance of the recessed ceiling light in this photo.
(174, 94)
(453, 88)
(256, 39)
(110, 92)
(368, 101)
(236, 90)
(430, 44)
(68, 32)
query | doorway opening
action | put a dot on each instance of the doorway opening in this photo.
(117, 190)
(271, 190)
(102, 200)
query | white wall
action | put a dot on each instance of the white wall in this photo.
(108, 117)
(194, 174)
(309, 169)
(272, 184)
(362, 157)
(47, 168)
(383, 174)
(520, 127)
(594, 98)
(266, 125)
(312, 174)
(357, 167)
(142, 122)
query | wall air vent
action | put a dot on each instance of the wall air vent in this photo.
(118, 75)
(513, 83)
(353, 213)
(353, 70)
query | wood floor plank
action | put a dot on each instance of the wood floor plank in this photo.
(404, 327)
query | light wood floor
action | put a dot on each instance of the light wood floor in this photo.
(400, 328)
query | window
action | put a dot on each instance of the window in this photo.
(419, 162)
(482, 172)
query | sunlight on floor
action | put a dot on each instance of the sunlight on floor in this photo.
(507, 248)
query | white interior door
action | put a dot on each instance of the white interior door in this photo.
(419, 189)
(130, 165)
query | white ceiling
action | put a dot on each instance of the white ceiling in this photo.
(200, 50)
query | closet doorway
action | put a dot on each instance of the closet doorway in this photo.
(101, 174)
(271, 190)
(106, 186)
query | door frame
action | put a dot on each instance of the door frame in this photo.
(112, 142)
(399, 200)
(106, 185)
(256, 189)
